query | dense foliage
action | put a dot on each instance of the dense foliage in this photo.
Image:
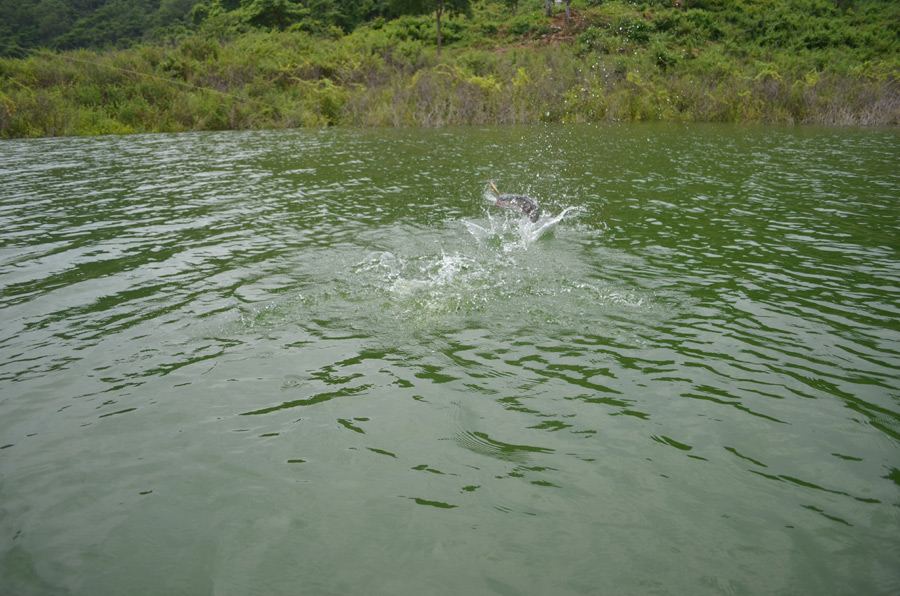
(70, 24)
(66, 24)
(284, 63)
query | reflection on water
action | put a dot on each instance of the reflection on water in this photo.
(240, 363)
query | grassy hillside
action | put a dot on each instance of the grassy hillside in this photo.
(793, 61)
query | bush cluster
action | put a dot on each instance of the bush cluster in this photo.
(799, 61)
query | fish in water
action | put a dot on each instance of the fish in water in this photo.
(520, 203)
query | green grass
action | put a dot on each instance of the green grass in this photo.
(786, 61)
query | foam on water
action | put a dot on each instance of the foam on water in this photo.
(403, 277)
(488, 271)
(501, 267)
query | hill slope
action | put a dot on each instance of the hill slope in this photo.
(797, 61)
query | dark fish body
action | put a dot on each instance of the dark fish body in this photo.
(520, 203)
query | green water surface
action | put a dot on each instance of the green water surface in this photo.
(323, 363)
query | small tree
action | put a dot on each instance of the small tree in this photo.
(274, 14)
(439, 6)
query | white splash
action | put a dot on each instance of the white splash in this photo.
(430, 273)
(425, 275)
(526, 231)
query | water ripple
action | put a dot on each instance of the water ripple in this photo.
(303, 340)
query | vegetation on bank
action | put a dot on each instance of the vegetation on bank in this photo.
(793, 61)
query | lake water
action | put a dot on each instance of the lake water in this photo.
(322, 362)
